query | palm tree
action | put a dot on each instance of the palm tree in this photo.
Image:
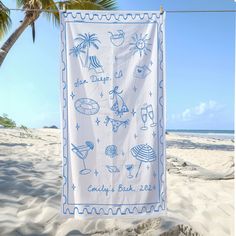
(86, 41)
(34, 8)
(5, 20)
(76, 51)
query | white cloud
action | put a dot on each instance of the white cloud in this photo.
(203, 109)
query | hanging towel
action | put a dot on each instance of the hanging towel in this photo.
(113, 113)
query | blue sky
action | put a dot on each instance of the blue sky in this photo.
(200, 62)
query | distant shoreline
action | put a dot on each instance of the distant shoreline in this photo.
(221, 134)
(201, 131)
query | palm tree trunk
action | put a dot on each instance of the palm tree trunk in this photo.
(15, 35)
(87, 57)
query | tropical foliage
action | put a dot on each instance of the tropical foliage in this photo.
(35, 8)
(6, 122)
(5, 20)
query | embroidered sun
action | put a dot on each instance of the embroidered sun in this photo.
(140, 44)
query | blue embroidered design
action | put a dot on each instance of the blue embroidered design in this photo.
(145, 112)
(76, 51)
(141, 72)
(82, 153)
(119, 107)
(116, 123)
(80, 82)
(72, 95)
(87, 106)
(110, 209)
(77, 126)
(85, 41)
(117, 39)
(97, 121)
(143, 153)
(96, 172)
(111, 151)
(112, 169)
(119, 74)
(133, 112)
(154, 134)
(151, 115)
(140, 44)
(129, 168)
(144, 118)
(95, 65)
(149, 17)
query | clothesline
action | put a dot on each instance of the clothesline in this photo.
(167, 11)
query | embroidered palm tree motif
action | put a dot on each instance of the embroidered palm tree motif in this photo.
(86, 41)
(119, 107)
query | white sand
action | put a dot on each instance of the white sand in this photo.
(199, 180)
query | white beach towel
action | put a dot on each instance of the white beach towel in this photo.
(113, 117)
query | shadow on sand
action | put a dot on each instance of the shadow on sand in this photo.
(16, 178)
(187, 144)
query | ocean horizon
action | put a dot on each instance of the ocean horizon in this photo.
(225, 134)
(204, 131)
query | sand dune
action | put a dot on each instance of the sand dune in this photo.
(200, 182)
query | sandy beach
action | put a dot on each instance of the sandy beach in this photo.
(200, 189)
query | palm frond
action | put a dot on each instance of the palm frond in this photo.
(5, 20)
(21, 3)
(33, 31)
(54, 14)
(90, 4)
(107, 4)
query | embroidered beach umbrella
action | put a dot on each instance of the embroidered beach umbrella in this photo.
(143, 153)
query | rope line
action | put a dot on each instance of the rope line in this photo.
(199, 11)
(167, 11)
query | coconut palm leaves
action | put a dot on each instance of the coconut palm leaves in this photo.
(5, 20)
(50, 9)
(90, 5)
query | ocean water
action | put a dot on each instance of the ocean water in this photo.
(220, 134)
